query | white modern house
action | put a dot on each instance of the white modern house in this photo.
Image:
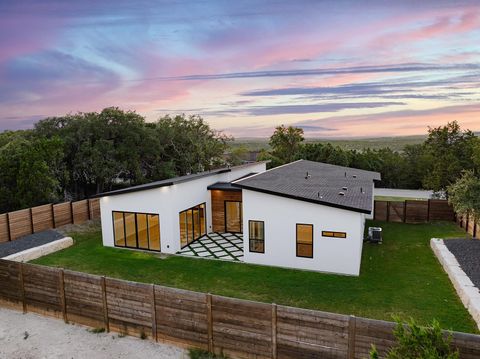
(304, 215)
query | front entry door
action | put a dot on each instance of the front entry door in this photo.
(233, 216)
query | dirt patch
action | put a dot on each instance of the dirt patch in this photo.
(29, 336)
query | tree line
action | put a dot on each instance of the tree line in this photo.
(74, 156)
(435, 164)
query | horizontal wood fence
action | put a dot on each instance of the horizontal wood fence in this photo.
(14, 225)
(469, 224)
(238, 328)
(414, 211)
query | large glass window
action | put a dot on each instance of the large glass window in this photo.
(256, 236)
(136, 230)
(192, 224)
(305, 240)
(233, 216)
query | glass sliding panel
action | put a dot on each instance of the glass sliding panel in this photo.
(189, 226)
(305, 240)
(183, 229)
(203, 225)
(119, 229)
(130, 230)
(142, 231)
(154, 232)
(256, 235)
(196, 222)
(233, 216)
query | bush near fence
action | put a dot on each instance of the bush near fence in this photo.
(14, 225)
(238, 328)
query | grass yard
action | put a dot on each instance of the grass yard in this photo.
(400, 277)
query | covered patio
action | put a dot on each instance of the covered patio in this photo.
(225, 246)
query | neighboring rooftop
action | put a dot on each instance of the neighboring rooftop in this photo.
(172, 181)
(316, 182)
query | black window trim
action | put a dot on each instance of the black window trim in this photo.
(193, 223)
(263, 236)
(136, 231)
(296, 238)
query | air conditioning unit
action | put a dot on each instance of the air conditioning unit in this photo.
(374, 235)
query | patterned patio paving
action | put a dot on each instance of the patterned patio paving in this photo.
(226, 246)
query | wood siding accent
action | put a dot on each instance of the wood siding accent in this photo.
(218, 207)
(238, 328)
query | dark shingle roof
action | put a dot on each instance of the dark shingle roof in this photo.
(172, 181)
(323, 185)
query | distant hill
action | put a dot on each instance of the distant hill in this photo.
(395, 143)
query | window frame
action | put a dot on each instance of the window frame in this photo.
(296, 238)
(136, 231)
(250, 239)
(334, 234)
(191, 217)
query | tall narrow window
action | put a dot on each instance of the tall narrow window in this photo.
(130, 230)
(305, 240)
(119, 229)
(136, 230)
(192, 224)
(154, 232)
(256, 236)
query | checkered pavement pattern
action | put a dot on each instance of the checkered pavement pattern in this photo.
(227, 246)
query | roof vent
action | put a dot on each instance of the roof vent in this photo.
(341, 193)
(361, 189)
(307, 175)
(345, 174)
(354, 176)
(344, 188)
(319, 196)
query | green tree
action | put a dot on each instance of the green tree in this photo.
(449, 151)
(464, 195)
(285, 143)
(28, 172)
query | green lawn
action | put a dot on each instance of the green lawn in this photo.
(401, 276)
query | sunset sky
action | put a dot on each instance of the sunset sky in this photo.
(334, 68)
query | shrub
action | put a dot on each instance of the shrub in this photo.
(418, 342)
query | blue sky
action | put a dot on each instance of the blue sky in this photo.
(335, 68)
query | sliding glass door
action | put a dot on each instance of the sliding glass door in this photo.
(192, 224)
(136, 230)
(233, 216)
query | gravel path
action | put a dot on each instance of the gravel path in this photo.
(29, 336)
(30, 241)
(467, 252)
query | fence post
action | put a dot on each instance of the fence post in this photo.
(32, 230)
(351, 336)
(61, 280)
(428, 210)
(71, 212)
(89, 209)
(22, 286)
(53, 215)
(274, 331)
(105, 307)
(8, 227)
(374, 210)
(210, 323)
(404, 211)
(154, 314)
(388, 211)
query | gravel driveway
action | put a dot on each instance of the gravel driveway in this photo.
(29, 336)
(467, 252)
(30, 241)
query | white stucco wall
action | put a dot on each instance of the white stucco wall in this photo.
(281, 215)
(167, 202)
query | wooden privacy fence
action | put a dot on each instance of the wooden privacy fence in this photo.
(239, 328)
(14, 225)
(469, 224)
(414, 211)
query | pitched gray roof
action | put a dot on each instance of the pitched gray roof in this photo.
(317, 182)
